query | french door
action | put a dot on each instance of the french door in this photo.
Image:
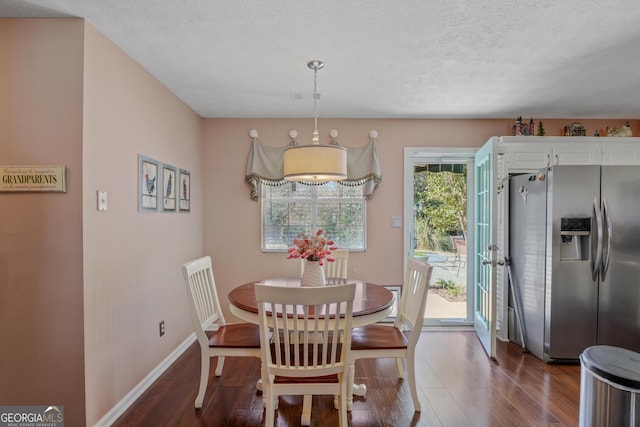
(485, 249)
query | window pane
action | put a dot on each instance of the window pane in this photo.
(299, 191)
(343, 222)
(331, 189)
(286, 211)
(357, 191)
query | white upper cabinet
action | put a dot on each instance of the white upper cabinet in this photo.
(579, 153)
(620, 151)
(527, 156)
(530, 153)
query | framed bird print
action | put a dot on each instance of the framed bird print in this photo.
(148, 182)
(168, 188)
(184, 187)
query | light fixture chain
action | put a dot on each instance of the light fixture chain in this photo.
(315, 98)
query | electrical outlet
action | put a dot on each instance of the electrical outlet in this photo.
(161, 327)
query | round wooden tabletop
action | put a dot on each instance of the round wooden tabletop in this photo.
(372, 302)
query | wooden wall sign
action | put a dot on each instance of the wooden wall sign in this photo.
(33, 178)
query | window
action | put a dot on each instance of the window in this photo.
(295, 208)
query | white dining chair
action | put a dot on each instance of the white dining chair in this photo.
(337, 270)
(215, 337)
(398, 340)
(305, 345)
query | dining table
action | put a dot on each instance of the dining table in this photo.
(372, 303)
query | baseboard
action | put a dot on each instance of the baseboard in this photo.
(124, 404)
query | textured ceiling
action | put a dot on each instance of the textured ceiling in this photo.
(409, 59)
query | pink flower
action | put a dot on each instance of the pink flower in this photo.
(314, 248)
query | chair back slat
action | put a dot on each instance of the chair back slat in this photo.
(414, 297)
(305, 331)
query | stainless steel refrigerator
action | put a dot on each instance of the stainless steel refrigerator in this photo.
(574, 252)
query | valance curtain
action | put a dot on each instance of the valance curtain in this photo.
(265, 166)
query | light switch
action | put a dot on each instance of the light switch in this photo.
(396, 221)
(102, 200)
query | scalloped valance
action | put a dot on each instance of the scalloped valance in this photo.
(265, 166)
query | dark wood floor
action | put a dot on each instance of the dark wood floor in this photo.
(457, 383)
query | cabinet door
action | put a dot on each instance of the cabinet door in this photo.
(576, 154)
(521, 157)
(620, 153)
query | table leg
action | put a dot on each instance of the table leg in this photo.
(359, 390)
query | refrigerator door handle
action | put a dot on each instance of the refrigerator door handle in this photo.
(606, 256)
(597, 257)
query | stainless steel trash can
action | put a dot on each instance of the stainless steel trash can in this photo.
(609, 387)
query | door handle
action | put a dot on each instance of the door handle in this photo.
(492, 262)
(597, 257)
(606, 224)
(486, 261)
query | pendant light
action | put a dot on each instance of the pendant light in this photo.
(315, 163)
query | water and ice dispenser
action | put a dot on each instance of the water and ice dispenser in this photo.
(575, 236)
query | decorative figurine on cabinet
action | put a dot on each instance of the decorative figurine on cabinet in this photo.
(623, 131)
(524, 129)
(575, 129)
(541, 131)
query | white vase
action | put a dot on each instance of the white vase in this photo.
(313, 274)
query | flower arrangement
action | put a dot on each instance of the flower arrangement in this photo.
(312, 248)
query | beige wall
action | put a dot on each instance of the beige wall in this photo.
(132, 276)
(41, 316)
(232, 219)
(81, 291)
